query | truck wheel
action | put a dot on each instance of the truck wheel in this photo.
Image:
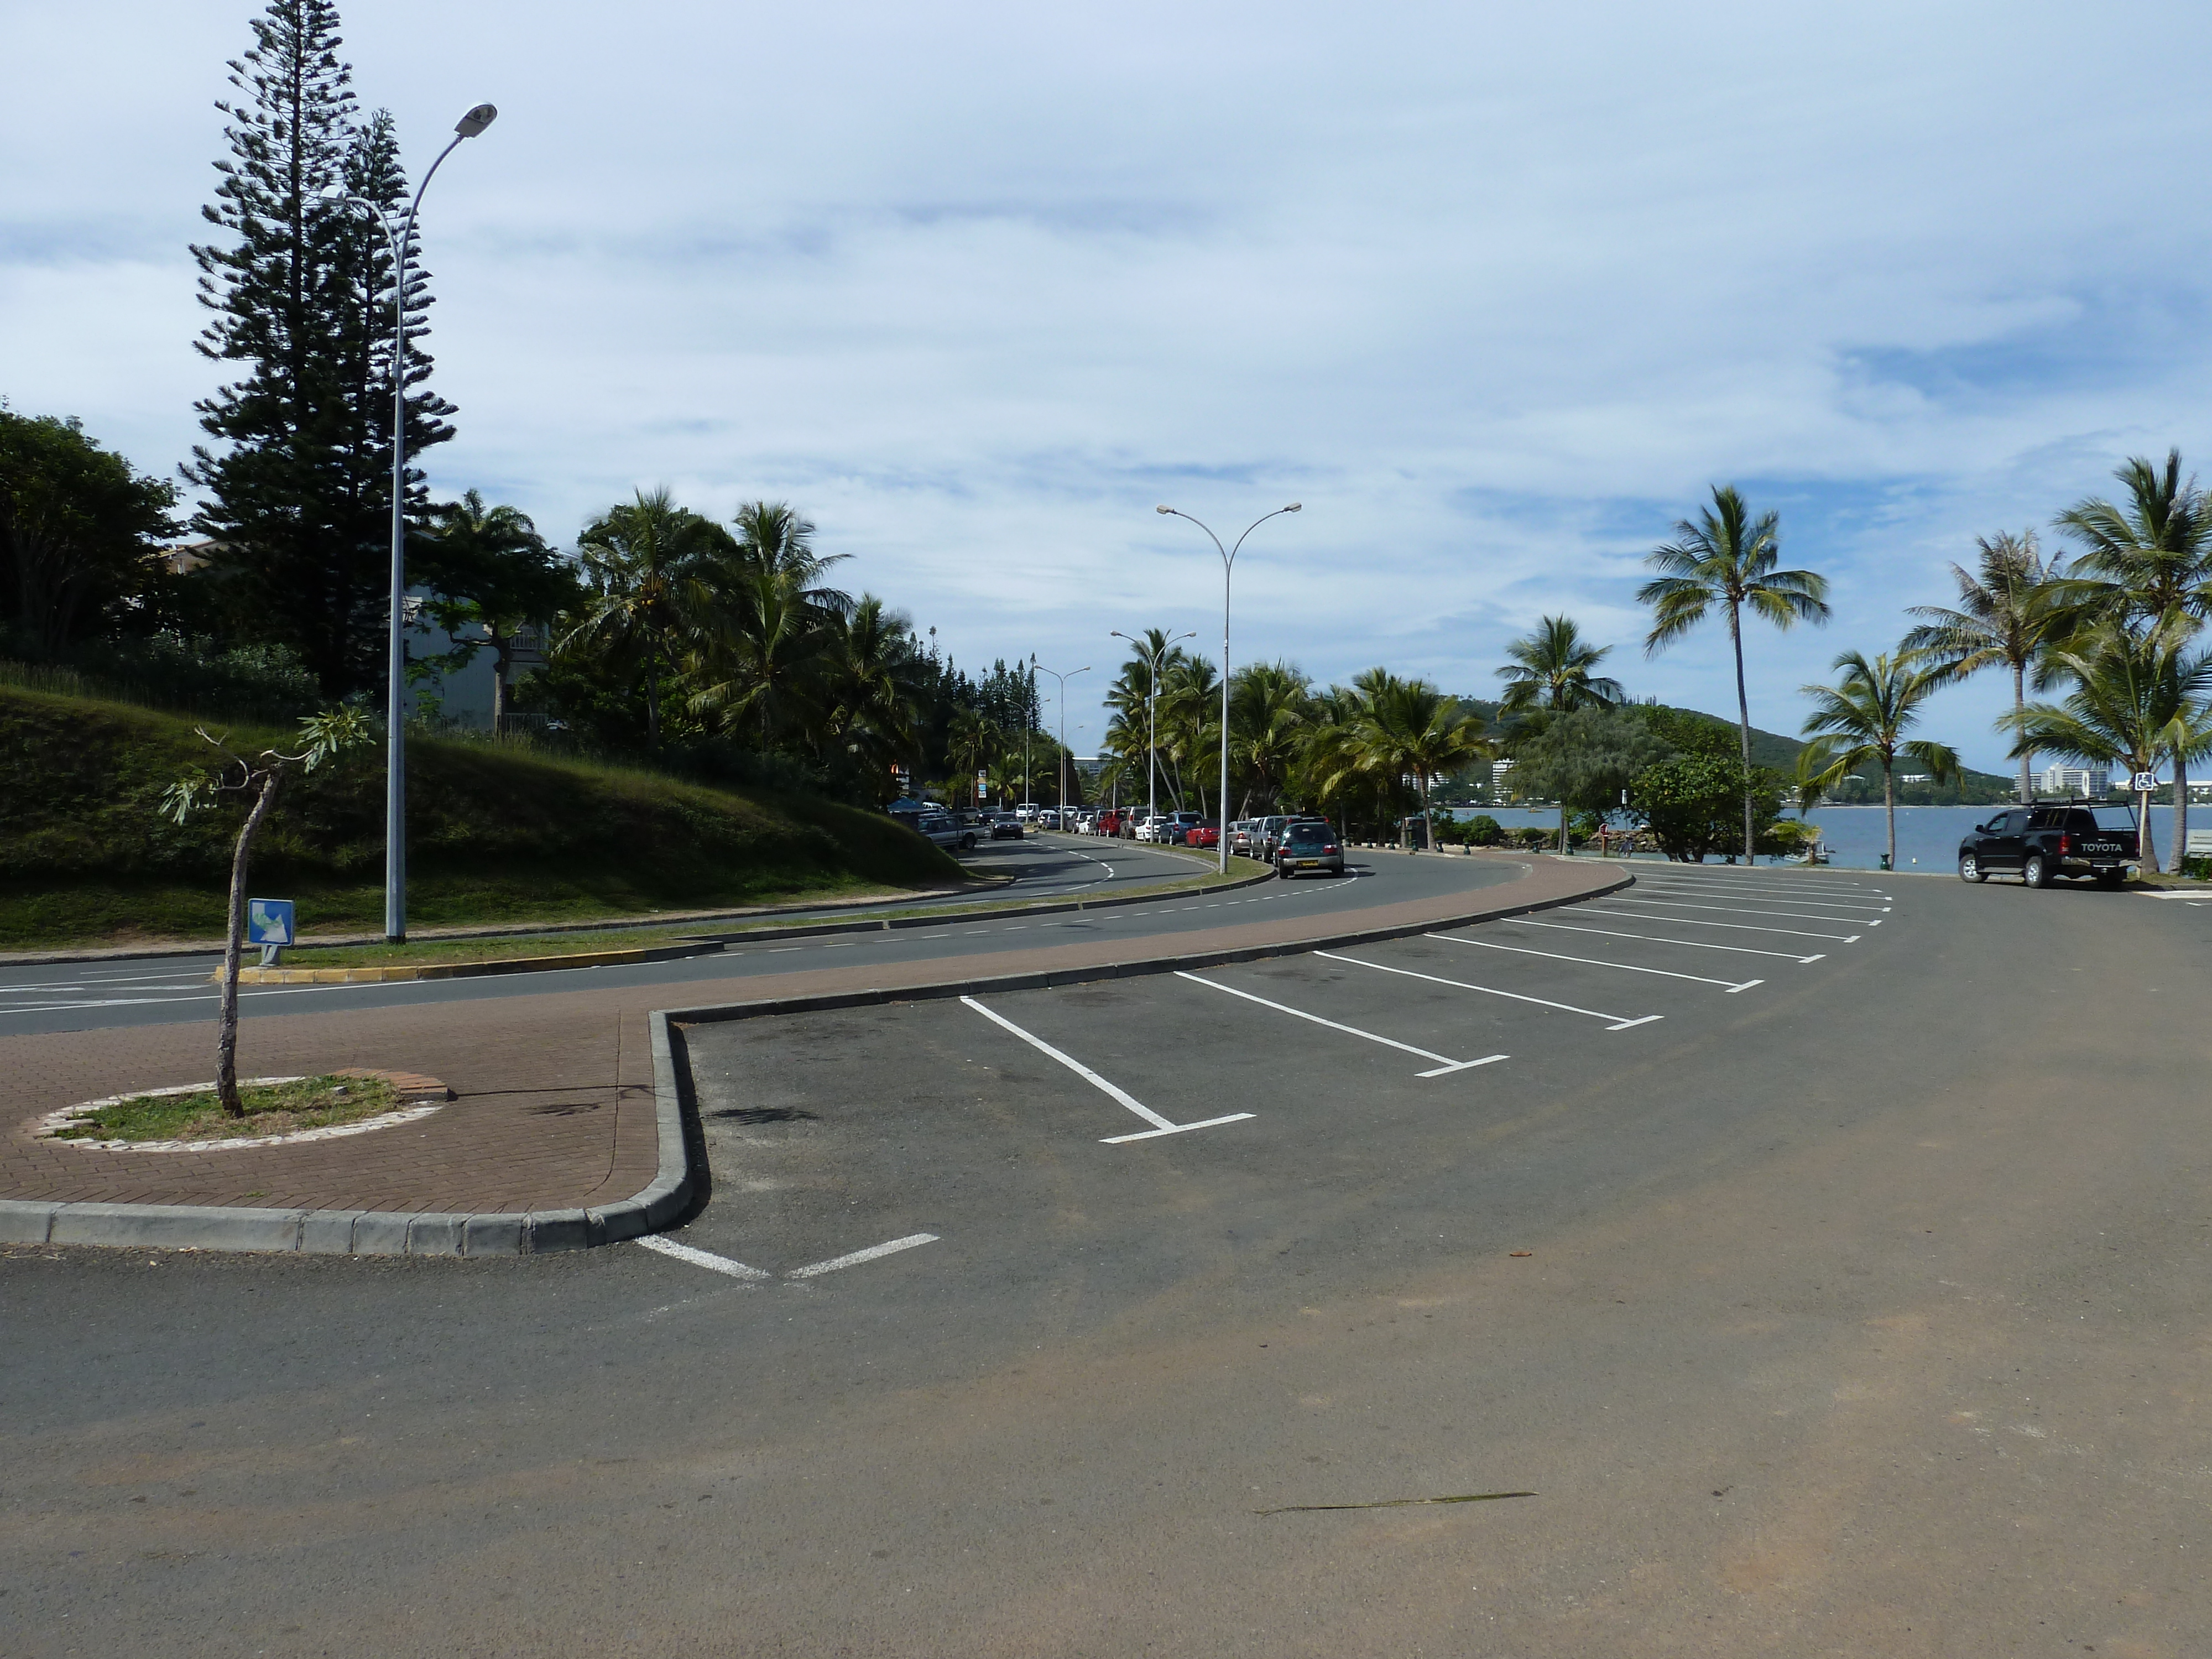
(1970, 868)
(2035, 872)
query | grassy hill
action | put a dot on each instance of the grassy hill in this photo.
(494, 836)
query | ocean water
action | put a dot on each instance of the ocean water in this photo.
(1927, 836)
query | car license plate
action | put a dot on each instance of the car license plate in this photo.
(1308, 864)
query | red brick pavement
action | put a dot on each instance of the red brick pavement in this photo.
(553, 1105)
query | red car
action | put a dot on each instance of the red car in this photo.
(1109, 820)
(1202, 835)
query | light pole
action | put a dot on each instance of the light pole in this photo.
(1228, 560)
(402, 237)
(1063, 679)
(1151, 703)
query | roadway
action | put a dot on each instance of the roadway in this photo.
(153, 991)
(1822, 1253)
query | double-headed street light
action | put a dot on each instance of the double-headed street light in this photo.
(1228, 560)
(1152, 701)
(401, 235)
(1063, 679)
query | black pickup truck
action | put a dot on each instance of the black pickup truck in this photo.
(2038, 843)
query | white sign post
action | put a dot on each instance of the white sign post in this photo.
(2143, 783)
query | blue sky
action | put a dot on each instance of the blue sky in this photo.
(1496, 295)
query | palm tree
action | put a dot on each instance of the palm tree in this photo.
(773, 535)
(2148, 562)
(1407, 728)
(1727, 558)
(2006, 612)
(1552, 669)
(765, 660)
(875, 673)
(1551, 674)
(973, 740)
(2138, 695)
(1864, 717)
(1268, 717)
(641, 564)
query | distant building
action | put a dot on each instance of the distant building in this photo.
(1498, 769)
(2073, 781)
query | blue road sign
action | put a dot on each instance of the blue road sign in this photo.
(269, 921)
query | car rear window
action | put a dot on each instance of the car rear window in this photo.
(2112, 818)
(1304, 832)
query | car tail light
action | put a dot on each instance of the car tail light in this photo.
(2065, 846)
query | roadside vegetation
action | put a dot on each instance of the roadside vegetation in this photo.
(496, 834)
(265, 1108)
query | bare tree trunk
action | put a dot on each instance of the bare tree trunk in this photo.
(2180, 814)
(500, 646)
(225, 1030)
(2027, 759)
(1889, 807)
(1743, 725)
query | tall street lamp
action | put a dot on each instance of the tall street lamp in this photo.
(1228, 560)
(401, 234)
(1151, 703)
(1063, 679)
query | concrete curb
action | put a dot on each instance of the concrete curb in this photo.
(385, 1232)
(380, 1232)
(1150, 965)
(887, 924)
(402, 972)
(515, 930)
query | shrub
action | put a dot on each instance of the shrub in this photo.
(1484, 830)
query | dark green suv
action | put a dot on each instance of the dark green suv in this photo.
(1308, 845)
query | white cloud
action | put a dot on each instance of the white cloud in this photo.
(1496, 294)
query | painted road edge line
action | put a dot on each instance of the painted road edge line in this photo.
(858, 1257)
(698, 1258)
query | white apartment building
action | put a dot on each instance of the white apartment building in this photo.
(2073, 781)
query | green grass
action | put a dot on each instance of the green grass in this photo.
(272, 1108)
(494, 836)
(479, 949)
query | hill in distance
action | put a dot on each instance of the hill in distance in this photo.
(1777, 753)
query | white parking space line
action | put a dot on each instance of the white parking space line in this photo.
(1732, 926)
(1160, 1125)
(1653, 939)
(870, 1253)
(1620, 1022)
(1880, 904)
(1445, 1064)
(1730, 986)
(706, 1259)
(1739, 910)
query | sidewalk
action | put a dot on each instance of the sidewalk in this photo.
(554, 1106)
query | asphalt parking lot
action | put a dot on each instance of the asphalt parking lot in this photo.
(1826, 1254)
(1229, 1096)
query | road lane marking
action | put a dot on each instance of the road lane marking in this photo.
(1728, 985)
(1732, 909)
(1445, 1063)
(1882, 905)
(1653, 939)
(706, 1259)
(1622, 1022)
(1732, 926)
(1160, 1125)
(858, 1257)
